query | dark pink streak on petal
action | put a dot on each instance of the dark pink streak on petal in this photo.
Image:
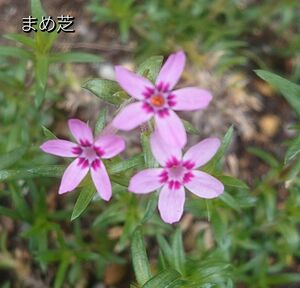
(96, 164)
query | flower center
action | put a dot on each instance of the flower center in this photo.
(176, 172)
(157, 100)
(89, 153)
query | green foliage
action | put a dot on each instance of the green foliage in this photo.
(289, 90)
(227, 28)
(139, 257)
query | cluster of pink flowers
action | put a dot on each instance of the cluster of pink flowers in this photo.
(157, 101)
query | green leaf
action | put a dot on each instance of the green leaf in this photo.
(293, 150)
(100, 124)
(20, 204)
(105, 90)
(15, 52)
(283, 278)
(219, 226)
(178, 251)
(74, 57)
(230, 201)
(150, 67)
(122, 166)
(221, 152)
(150, 162)
(9, 213)
(11, 157)
(61, 272)
(41, 74)
(265, 156)
(150, 208)
(289, 90)
(37, 9)
(25, 40)
(85, 197)
(49, 171)
(48, 134)
(165, 279)
(139, 258)
(190, 128)
(232, 182)
(165, 248)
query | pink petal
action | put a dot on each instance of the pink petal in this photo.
(171, 129)
(102, 182)
(145, 181)
(171, 203)
(131, 116)
(161, 151)
(81, 131)
(205, 185)
(110, 144)
(191, 98)
(59, 147)
(132, 83)
(172, 69)
(202, 152)
(73, 175)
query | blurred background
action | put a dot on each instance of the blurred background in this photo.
(250, 239)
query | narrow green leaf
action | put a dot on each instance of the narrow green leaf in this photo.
(190, 128)
(25, 40)
(48, 134)
(105, 90)
(61, 272)
(165, 249)
(230, 201)
(9, 213)
(15, 52)
(100, 124)
(37, 9)
(232, 182)
(74, 57)
(293, 150)
(41, 74)
(165, 279)
(11, 157)
(222, 150)
(178, 252)
(49, 171)
(150, 162)
(85, 197)
(20, 204)
(139, 258)
(283, 278)
(150, 208)
(289, 90)
(122, 166)
(150, 67)
(265, 156)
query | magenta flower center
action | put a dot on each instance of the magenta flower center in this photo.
(89, 155)
(158, 99)
(177, 173)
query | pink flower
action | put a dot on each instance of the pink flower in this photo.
(176, 173)
(160, 100)
(88, 152)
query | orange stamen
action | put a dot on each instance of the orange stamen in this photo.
(157, 100)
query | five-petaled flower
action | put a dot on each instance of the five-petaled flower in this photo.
(160, 100)
(88, 152)
(176, 173)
